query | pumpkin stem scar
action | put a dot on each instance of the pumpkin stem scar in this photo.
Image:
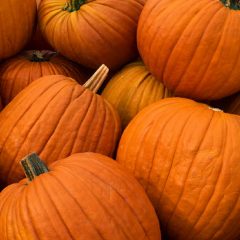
(232, 4)
(33, 166)
(73, 5)
(97, 79)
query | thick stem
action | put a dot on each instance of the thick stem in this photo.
(73, 5)
(97, 79)
(33, 166)
(41, 56)
(232, 4)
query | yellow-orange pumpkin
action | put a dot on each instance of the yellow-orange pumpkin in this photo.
(18, 72)
(85, 196)
(192, 46)
(55, 117)
(92, 32)
(132, 89)
(186, 156)
(17, 21)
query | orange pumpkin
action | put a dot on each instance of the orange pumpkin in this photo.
(55, 117)
(17, 23)
(186, 156)
(132, 89)
(92, 32)
(192, 46)
(18, 72)
(85, 196)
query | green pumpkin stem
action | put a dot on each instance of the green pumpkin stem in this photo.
(33, 166)
(232, 4)
(41, 56)
(73, 5)
(97, 79)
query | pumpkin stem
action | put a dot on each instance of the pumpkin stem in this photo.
(33, 166)
(232, 4)
(40, 56)
(97, 79)
(73, 5)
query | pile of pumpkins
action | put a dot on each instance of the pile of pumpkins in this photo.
(120, 120)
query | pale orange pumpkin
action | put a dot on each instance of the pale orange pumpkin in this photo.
(187, 157)
(132, 89)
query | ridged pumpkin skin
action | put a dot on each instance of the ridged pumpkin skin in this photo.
(192, 46)
(18, 72)
(186, 156)
(101, 31)
(54, 117)
(86, 196)
(132, 89)
(17, 23)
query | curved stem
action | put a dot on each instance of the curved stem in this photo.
(33, 166)
(97, 79)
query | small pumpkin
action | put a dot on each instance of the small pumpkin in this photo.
(97, 31)
(56, 117)
(17, 21)
(192, 46)
(186, 156)
(132, 89)
(18, 72)
(85, 196)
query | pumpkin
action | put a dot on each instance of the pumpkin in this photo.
(56, 117)
(17, 24)
(192, 46)
(85, 196)
(186, 156)
(92, 32)
(18, 72)
(132, 89)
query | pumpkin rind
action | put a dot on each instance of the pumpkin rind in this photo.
(192, 46)
(85, 196)
(54, 117)
(186, 156)
(18, 72)
(99, 32)
(17, 24)
(132, 89)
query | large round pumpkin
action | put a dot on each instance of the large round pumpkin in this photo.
(187, 157)
(55, 117)
(17, 23)
(192, 46)
(92, 32)
(132, 89)
(86, 196)
(18, 72)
